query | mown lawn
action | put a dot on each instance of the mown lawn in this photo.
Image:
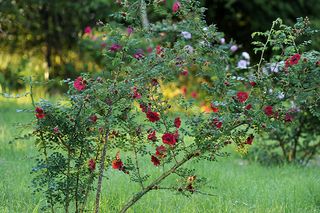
(238, 186)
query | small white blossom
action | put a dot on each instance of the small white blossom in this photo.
(270, 91)
(186, 34)
(245, 55)
(281, 95)
(242, 64)
(188, 49)
(238, 78)
(222, 40)
(205, 29)
(234, 48)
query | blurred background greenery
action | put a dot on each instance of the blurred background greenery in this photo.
(45, 39)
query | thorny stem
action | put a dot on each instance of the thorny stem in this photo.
(265, 47)
(102, 161)
(140, 194)
(137, 164)
(143, 15)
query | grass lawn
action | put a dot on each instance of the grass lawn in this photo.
(239, 186)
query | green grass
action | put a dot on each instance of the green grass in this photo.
(239, 186)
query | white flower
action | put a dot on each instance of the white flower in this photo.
(222, 40)
(205, 29)
(246, 55)
(186, 34)
(188, 49)
(281, 95)
(234, 48)
(270, 91)
(242, 64)
(239, 78)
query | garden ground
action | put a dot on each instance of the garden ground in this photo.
(238, 186)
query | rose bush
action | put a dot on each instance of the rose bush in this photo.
(124, 109)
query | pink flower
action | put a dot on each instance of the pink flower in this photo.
(56, 130)
(136, 94)
(79, 84)
(158, 50)
(115, 47)
(129, 30)
(176, 6)
(87, 30)
(139, 54)
(288, 117)
(194, 94)
(177, 122)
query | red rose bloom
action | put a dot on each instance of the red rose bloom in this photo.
(217, 123)
(93, 118)
(79, 84)
(169, 138)
(294, 59)
(92, 165)
(143, 107)
(242, 96)
(153, 116)
(248, 107)
(288, 117)
(214, 108)
(268, 110)
(250, 139)
(117, 163)
(115, 47)
(158, 50)
(136, 94)
(176, 6)
(155, 160)
(177, 122)
(194, 94)
(152, 136)
(40, 113)
(252, 83)
(185, 72)
(161, 151)
(87, 30)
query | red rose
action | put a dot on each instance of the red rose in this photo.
(79, 84)
(185, 72)
(117, 163)
(92, 165)
(288, 117)
(217, 123)
(115, 47)
(169, 138)
(161, 151)
(155, 160)
(268, 110)
(87, 30)
(176, 6)
(40, 113)
(152, 136)
(177, 122)
(294, 59)
(242, 96)
(93, 118)
(153, 116)
(250, 139)
(252, 83)
(194, 94)
(143, 107)
(214, 108)
(158, 50)
(248, 107)
(136, 94)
